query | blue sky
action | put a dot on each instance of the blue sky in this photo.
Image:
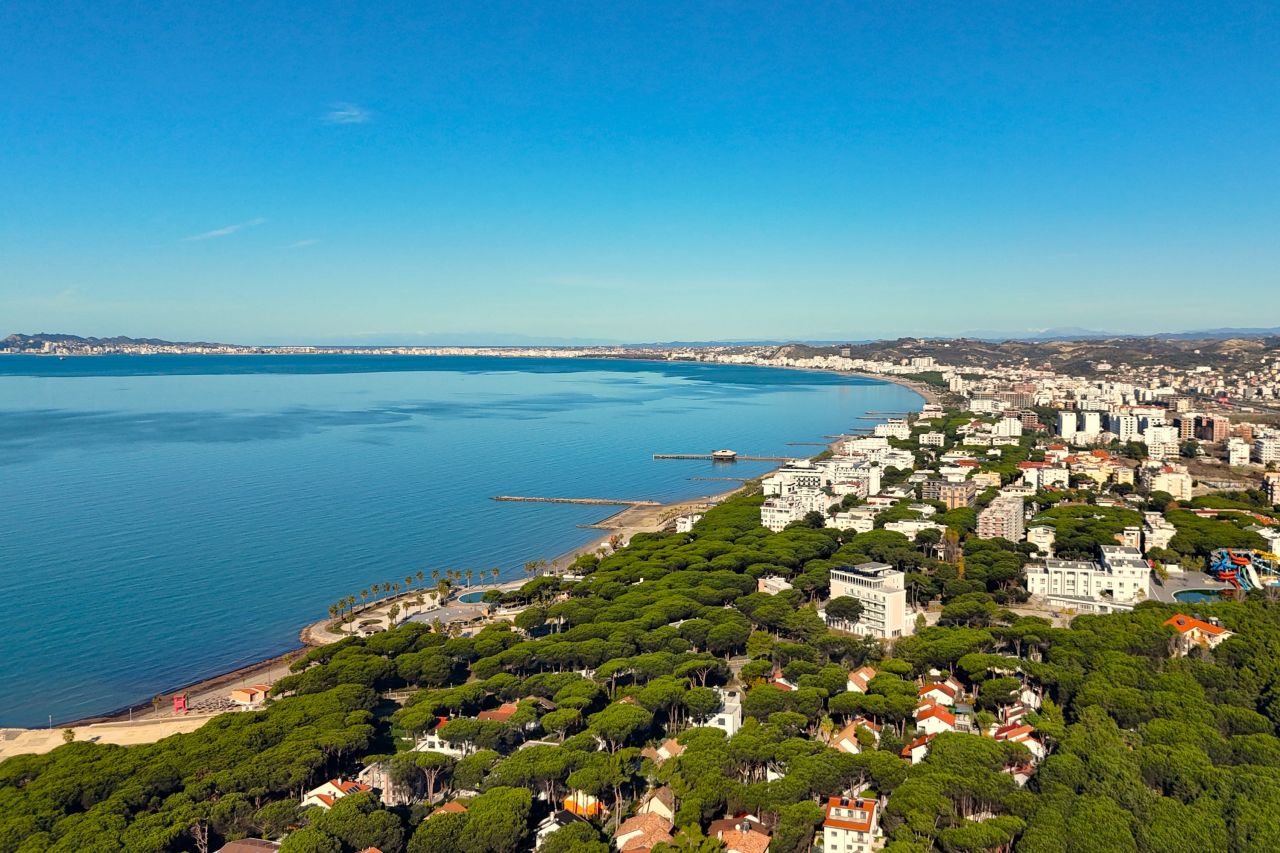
(330, 172)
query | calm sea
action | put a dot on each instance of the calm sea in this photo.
(166, 518)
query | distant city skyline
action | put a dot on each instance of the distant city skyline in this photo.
(659, 173)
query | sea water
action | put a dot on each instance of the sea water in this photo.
(167, 518)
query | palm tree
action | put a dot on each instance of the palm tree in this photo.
(435, 575)
(495, 571)
(408, 581)
(364, 596)
(351, 603)
(333, 611)
(392, 613)
(421, 575)
(470, 573)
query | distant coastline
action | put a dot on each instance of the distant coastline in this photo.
(248, 673)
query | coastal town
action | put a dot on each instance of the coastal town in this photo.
(889, 645)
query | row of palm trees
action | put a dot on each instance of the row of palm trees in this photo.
(442, 580)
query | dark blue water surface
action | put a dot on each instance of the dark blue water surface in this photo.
(167, 518)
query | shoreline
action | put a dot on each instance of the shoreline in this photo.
(626, 522)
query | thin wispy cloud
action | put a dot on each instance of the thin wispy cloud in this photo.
(344, 113)
(225, 231)
(302, 244)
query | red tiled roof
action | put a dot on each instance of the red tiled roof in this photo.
(918, 742)
(924, 712)
(649, 829)
(350, 787)
(1014, 732)
(943, 686)
(862, 676)
(751, 841)
(501, 714)
(1183, 623)
(849, 822)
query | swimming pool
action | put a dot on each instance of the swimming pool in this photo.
(1198, 595)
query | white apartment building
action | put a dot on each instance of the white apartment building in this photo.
(895, 428)
(777, 513)
(1002, 519)
(932, 439)
(882, 591)
(1156, 531)
(1168, 478)
(1008, 427)
(1118, 582)
(1162, 441)
(1126, 427)
(1067, 423)
(1238, 452)
(859, 522)
(851, 825)
(1090, 423)
(1266, 449)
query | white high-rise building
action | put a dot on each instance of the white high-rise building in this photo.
(1237, 452)
(882, 591)
(1067, 422)
(1162, 441)
(1008, 427)
(1125, 427)
(1091, 423)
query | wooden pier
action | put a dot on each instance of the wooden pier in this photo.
(588, 501)
(709, 456)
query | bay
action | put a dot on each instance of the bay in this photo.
(167, 518)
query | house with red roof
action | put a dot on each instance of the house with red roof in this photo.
(941, 693)
(642, 833)
(743, 833)
(1020, 732)
(500, 714)
(934, 719)
(846, 740)
(330, 792)
(859, 679)
(1194, 632)
(851, 825)
(917, 749)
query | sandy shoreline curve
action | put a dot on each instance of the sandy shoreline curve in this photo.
(626, 523)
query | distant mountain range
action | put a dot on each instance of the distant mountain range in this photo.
(20, 341)
(1078, 334)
